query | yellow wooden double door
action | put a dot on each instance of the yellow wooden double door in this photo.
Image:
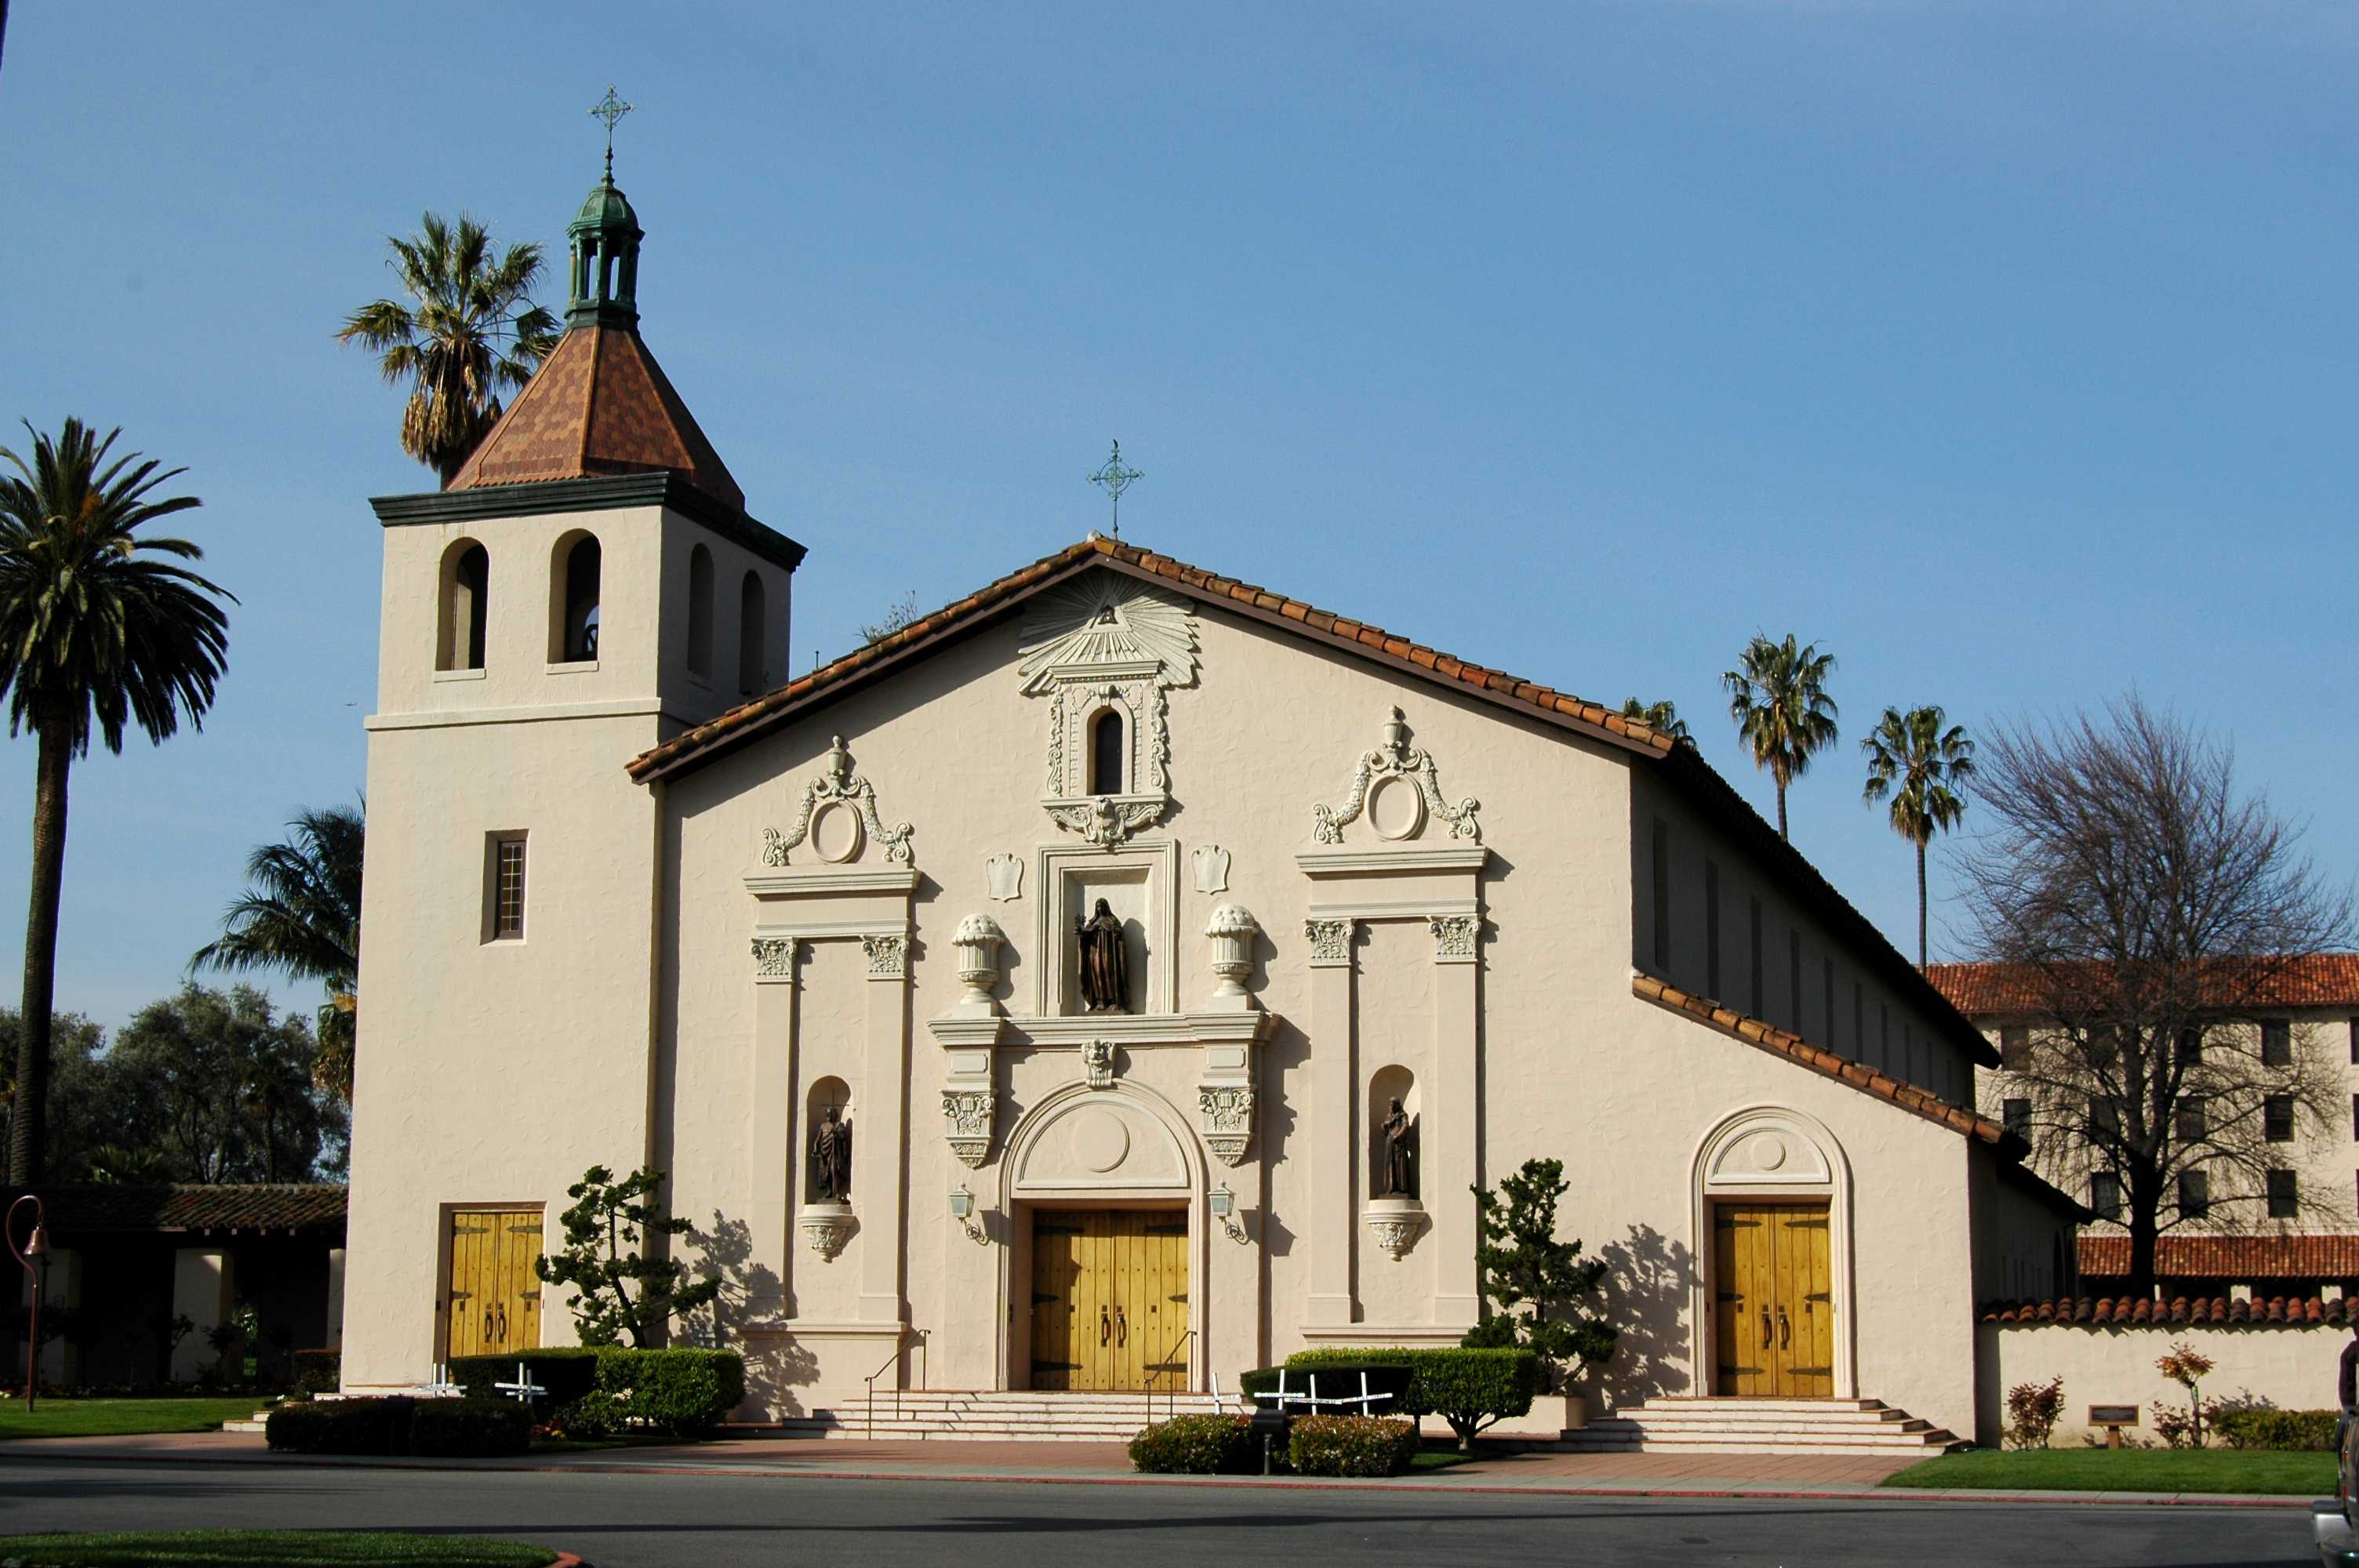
(1109, 1298)
(1774, 1301)
(494, 1303)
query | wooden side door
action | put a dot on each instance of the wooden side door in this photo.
(494, 1301)
(1807, 1356)
(1061, 1253)
(1773, 1301)
(1742, 1270)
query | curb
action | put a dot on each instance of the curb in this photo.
(1864, 1494)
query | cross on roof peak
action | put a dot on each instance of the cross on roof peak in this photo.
(610, 109)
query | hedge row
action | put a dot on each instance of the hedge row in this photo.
(1197, 1445)
(2306, 1429)
(319, 1371)
(441, 1429)
(1469, 1389)
(1319, 1445)
(594, 1391)
(1351, 1445)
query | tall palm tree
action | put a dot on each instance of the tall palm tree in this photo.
(473, 333)
(300, 914)
(1777, 695)
(91, 627)
(1912, 760)
(1663, 717)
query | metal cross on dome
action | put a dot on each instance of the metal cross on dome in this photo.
(610, 109)
(1114, 478)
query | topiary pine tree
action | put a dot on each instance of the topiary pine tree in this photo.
(606, 1216)
(1535, 1281)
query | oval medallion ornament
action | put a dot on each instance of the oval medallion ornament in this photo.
(1100, 1140)
(1768, 1151)
(1395, 808)
(836, 832)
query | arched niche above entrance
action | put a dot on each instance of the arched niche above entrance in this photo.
(1101, 1141)
(1770, 1150)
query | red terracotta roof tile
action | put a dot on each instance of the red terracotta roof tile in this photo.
(1859, 1075)
(2228, 1257)
(599, 405)
(2306, 979)
(2114, 1312)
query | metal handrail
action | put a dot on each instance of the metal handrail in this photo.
(1154, 1370)
(900, 1343)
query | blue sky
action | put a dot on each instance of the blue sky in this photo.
(2006, 349)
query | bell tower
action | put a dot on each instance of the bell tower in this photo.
(588, 585)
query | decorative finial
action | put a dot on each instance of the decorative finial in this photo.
(1115, 478)
(610, 109)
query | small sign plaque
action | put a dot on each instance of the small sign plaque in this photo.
(2112, 1416)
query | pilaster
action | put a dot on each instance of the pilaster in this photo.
(1333, 1068)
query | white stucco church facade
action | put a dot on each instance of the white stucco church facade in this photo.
(634, 897)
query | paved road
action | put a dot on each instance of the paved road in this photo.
(676, 1521)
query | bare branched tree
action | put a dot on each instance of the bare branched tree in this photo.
(2149, 915)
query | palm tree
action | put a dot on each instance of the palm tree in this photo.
(300, 914)
(1777, 695)
(450, 346)
(89, 627)
(1660, 717)
(1910, 759)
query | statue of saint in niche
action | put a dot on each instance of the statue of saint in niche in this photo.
(831, 1158)
(1105, 962)
(1397, 1173)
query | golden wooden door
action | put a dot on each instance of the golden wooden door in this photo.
(1109, 1299)
(495, 1305)
(1773, 1301)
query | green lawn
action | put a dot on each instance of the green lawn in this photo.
(2129, 1470)
(116, 1418)
(273, 1548)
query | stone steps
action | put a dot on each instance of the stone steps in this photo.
(1013, 1415)
(1759, 1426)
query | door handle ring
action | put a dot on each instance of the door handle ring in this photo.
(1764, 1328)
(1105, 1326)
(1785, 1330)
(1122, 1327)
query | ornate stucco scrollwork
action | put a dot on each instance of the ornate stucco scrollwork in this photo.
(1228, 1112)
(773, 957)
(1396, 757)
(970, 1113)
(1454, 936)
(827, 1227)
(888, 953)
(1106, 644)
(1097, 1063)
(1330, 940)
(1395, 1222)
(839, 783)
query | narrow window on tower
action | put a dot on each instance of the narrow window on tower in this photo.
(504, 867)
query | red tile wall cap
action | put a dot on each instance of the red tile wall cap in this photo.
(685, 745)
(1859, 1075)
(2109, 1311)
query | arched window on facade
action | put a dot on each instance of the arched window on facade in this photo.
(1107, 775)
(752, 632)
(579, 625)
(459, 637)
(700, 611)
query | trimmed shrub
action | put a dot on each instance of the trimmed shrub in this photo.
(1338, 1380)
(685, 1393)
(470, 1428)
(1196, 1446)
(1352, 1445)
(1469, 1389)
(338, 1426)
(568, 1373)
(319, 1371)
(2308, 1431)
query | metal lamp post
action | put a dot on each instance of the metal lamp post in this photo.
(36, 1246)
